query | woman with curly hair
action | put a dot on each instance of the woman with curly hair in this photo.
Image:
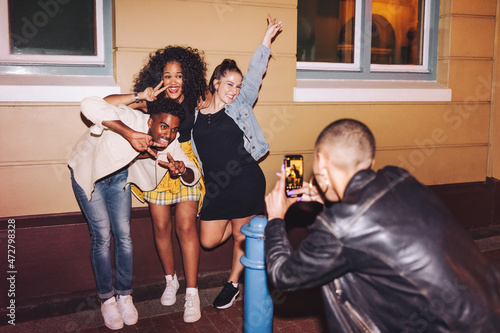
(177, 73)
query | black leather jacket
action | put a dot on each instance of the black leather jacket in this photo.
(390, 259)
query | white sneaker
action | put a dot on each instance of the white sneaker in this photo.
(192, 310)
(168, 296)
(111, 314)
(127, 309)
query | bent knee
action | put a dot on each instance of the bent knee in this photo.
(239, 237)
(209, 243)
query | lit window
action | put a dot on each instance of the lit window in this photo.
(372, 39)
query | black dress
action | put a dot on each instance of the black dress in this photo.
(235, 184)
(187, 124)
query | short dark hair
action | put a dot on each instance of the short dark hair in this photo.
(166, 105)
(348, 132)
(227, 65)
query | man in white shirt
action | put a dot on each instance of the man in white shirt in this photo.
(124, 146)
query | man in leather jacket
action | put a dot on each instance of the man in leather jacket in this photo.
(387, 254)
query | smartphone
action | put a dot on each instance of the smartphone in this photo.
(294, 172)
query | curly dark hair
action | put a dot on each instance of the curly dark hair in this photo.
(166, 105)
(193, 68)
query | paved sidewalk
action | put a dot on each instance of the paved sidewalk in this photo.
(300, 311)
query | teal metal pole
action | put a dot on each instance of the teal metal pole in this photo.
(258, 303)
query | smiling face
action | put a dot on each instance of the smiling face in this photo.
(163, 128)
(228, 87)
(173, 79)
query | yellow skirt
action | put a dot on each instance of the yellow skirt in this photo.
(171, 191)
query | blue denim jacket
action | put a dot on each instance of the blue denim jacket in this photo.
(241, 110)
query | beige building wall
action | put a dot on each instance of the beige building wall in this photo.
(441, 143)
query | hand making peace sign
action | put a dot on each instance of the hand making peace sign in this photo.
(176, 168)
(149, 94)
(273, 28)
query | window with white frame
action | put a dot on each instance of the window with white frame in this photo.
(55, 50)
(53, 32)
(370, 39)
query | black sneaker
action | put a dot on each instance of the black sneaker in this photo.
(227, 296)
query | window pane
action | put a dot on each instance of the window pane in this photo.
(325, 31)
(397, 34)
(52, 27)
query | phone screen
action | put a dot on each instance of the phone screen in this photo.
(294, 172)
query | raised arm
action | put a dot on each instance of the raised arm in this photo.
(139, 141)
(106, 116)
(319, 258)
(273, 28)
(136, 102)
(126, 99)
(258, 64)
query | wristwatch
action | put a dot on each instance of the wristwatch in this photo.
(136, 96)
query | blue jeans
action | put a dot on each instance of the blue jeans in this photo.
(108, 212)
